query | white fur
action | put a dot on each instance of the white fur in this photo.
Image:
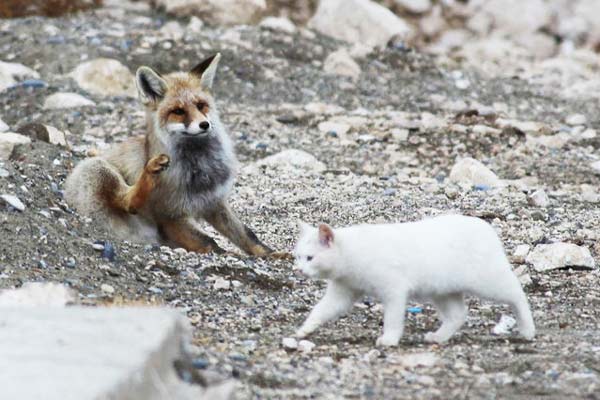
(435, 260)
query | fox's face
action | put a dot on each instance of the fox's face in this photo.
(181, 102)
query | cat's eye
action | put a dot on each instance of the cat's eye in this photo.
(309, 258)
(178, 111)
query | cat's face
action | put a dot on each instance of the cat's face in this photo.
(315, 251)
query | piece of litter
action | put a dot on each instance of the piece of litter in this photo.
(504, 326)
(415, 310)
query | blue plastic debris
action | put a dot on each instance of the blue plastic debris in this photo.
(482, 188)
(109, 251)
(33, 83)
(415, 310)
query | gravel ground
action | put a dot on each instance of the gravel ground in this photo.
(405, 131)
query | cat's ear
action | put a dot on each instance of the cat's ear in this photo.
(325, 235)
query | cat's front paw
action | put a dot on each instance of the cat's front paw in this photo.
(387, 341)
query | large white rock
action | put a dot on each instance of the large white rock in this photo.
(13, 201)
(516, 16)
(471, 171)
(340, 63)
(89, 353)
(11, 72)
(362, 21)
(11, 142)
(545, 257)
(291, 160)
(217, 12)
(66, 100)
(105, 77)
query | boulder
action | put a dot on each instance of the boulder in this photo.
(217, 12)
(12, 144)
(473, 172)
(546, 257)
(105, 77)
(361, 21)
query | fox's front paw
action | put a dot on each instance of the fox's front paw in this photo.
(158, 164)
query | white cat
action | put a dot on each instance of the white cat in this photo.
(435, 260)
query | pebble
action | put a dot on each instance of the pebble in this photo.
(504, 326)
(200, 363)
(108, 251)
(576, 119)
(341, 63)
(305, 346)
(221, 284)
(539, 198)
(13, 201)
(66, 100)
(98, 246)
(289, 343)
(471, 171)
(3, 126)
(107, 288)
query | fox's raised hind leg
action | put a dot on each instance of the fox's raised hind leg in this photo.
(135, 197)
(224, 220)
(182, 233)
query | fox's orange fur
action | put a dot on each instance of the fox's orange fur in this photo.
(154, 188)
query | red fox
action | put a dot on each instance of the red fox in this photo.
(153, 188)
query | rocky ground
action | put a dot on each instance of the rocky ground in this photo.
(384, 142)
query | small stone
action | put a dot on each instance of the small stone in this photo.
(520, 253)
(172, 30)
(289, 343)
(341, 63)
(546, 257)
(504, 326)
(596, 167)
(13, 201)
(576, 119)
(107, 288)
(98, 246)
(221, 284)
(200, 363)
(414, 6)
(280, 24)
(471, 171)
(4, 173)
(539, 198)
(339, 128)
(372, 356)
(291, 160)
(3, 126)
(389, 192)
(66, 100)
(306, 346)
(70, 262)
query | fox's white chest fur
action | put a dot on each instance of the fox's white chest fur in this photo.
(436, 260)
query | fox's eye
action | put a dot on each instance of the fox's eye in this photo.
(178, 111)
(309, 258)
(201, 106)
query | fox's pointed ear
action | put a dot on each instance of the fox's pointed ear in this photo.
(151, 87)
(206, 70)
(325, 235)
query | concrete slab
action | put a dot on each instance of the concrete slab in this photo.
(78, 353)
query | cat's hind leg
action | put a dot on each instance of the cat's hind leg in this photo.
(453, 313)
(338, 299)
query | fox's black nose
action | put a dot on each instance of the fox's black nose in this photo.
(204, 125)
